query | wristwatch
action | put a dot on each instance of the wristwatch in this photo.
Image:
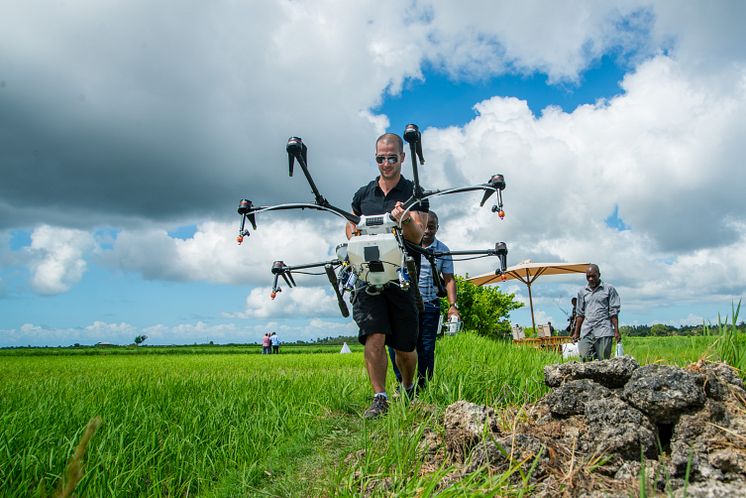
(454, 305)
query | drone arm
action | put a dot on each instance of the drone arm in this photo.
(335, 285)
(440, 289)
(303, 205)
(495, 185)
(412, 272)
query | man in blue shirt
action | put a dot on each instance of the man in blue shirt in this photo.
(597, 321)
(430, 317)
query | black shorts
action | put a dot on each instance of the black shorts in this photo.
(393, 312)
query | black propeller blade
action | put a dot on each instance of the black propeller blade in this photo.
(497, 182)
(502, 253)
(335, 285)
(295, 149)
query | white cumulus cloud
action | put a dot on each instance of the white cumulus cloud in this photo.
(57, 258)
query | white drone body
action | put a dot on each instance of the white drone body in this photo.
(376, 256)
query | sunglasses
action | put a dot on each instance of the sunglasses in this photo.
(388, 159)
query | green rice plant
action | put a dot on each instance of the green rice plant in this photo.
(486, 371)
(133, 350)
(196, 421)
(729, 345)
(671, 350)
(172, 424)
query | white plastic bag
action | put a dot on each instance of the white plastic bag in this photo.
(570, 349)
(619, 349)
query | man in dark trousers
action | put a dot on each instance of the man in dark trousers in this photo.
(390, 317)
(430, 317)
(597, 321)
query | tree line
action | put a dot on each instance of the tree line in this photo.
(662, 330)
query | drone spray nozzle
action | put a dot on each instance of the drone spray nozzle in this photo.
(501, 249)
(296, 149)
(499, 210)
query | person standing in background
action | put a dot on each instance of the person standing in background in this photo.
(597, 321)
(275, 339)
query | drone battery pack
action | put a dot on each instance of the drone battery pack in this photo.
(375, 257)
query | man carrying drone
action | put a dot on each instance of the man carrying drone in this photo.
(389, 317)
(378, 267)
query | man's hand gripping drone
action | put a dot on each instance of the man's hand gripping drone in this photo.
(379, 255)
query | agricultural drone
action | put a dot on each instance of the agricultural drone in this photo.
(379, 255)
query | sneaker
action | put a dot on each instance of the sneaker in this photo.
(379, 407)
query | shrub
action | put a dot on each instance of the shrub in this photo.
(484, 309)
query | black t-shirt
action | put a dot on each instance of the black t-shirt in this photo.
(369, 200)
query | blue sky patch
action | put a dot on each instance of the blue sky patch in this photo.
(615, 221)
(19, 239)
(183, 232)
(439, 101)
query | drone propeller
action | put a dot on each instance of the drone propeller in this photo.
(497, 182)
(335, 285)
(413, 137)
(502, 253)
(295, 149)
(279, 268)
(244, 209)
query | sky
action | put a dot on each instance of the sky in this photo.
(129, 131)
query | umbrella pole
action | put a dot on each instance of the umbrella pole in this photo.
(531, 304)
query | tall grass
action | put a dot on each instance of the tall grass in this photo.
(385, 461)
(671, 350)
(729, 345)
(468, 367)
(485, 371)
(242, 424)
(169, 350)
(171, 425)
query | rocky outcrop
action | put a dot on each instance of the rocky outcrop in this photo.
(466, 424)
(589, 435)
(571, 398)
(612, 373)
(664, 393)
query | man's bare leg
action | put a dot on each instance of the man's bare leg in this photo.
(406, 362)
(376, 361)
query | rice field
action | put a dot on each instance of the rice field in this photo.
(245, 424)
(172, 425)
